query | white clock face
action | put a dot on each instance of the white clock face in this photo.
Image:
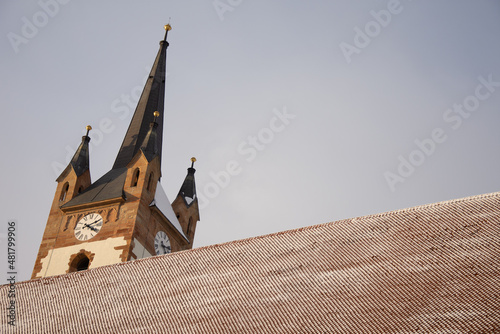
(88, 226)
(162, 243)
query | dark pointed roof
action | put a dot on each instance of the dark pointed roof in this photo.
(80, 161)
(188, 188)
(108, 187)
(152, 99)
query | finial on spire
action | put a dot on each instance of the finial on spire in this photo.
(156, 114)
(88, 127)
(167, 27)
(193, 160)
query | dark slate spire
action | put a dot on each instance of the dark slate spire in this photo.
(150, 146)
(152, 99)
(80, 161)
(188, 188)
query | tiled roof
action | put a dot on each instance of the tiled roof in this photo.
(428, 269)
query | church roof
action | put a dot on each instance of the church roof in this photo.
(427, 269)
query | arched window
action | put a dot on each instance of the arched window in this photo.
(135, 178)
(64, 192)
(83, 264)
(150, 181)
(79, 263)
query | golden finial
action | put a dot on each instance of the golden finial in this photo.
(193, 160)
(167, 27)
(88, 127)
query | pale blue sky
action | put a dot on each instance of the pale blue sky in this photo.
(225, 77)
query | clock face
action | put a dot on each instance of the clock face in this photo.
(88, 226)
(162, 243)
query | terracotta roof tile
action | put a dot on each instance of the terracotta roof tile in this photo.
(428, 269)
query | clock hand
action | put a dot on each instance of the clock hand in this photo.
(90, 227)
(95, 222)
(166, 248)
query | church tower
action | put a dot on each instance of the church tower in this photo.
(124, 215)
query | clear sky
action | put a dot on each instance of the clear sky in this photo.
(299, 113)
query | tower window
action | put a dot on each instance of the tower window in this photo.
(79, 263)
(80, 189)
(64, 192)
(150, 181)
(135, 178)
(83, 264)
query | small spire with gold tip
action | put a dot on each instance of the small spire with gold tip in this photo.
(167, 27)
(155, 114)
(193, 160)
(88, 127)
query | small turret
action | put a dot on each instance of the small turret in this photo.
(185, 204)
(76, 176)
(80, 161)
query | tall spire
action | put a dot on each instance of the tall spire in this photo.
(152, 99)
